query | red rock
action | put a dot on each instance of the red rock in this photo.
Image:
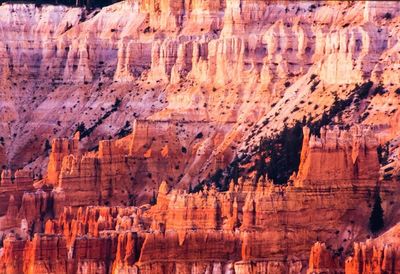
(322, 261)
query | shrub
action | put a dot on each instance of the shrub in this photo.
(383, 154)
(363, 90)
(86, 132)
(47, 146)
(380, 90)
(387, 16)
(314, 85)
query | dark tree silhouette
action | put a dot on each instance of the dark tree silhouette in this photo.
(280, 155)
(376, 222)
(190, 188)
(153, 199)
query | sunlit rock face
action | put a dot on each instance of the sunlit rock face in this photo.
(184, 68)
(103, 111)
(379, 255)
(252, 227)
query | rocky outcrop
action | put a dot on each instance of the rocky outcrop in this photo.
(186, 68)
(322, 261)
(253, 227)
(3, 157)
(95, 241)
(203, 82)
(101, 177)
(117, 171)
(12, 187)
(59, 149)
(379, 255)
(352, 156)
(370, 258)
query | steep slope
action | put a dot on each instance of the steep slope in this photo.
(106, 110)
(252, 227)
(198, 77)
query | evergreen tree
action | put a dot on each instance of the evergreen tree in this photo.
(376, 222)
(47, 146)
(153, 199)
(190, 188)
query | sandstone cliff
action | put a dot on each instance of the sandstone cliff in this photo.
(379, 255)
(194, 68)
(149, 91)
(253, 227)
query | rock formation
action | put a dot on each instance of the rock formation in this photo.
(59, 149)
(352, 156)
(14, 184)
(379, 255)
(147, 96)
(253, 227)
(181, 69)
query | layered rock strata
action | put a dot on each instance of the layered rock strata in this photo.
(216, 68)
(12, 187)
(379, 255)
(253, 227)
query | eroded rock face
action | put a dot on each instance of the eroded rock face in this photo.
(210, 67)
(12, 187)
(379, 255)
(322, 261)
(344, 155)
(59, 149)
(192, 84)
(253, 227)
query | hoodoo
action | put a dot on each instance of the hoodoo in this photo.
(229, 136)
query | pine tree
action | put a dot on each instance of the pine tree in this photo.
(376, 222)
(190, 188)
(153, 199)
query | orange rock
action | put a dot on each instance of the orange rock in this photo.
(347, 156)
(59, 149)
(321, 260)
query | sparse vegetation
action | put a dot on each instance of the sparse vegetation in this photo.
(125, 130)
(383, 154)
(363, 91)
(314, 85)
(47, 146)
(279, 156)
(387, 16)
(85, 132)
(379, 90)
(338, 107)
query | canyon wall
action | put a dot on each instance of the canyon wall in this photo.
(217, 69)
(379, 255)
(149, 97)
(348, 153)
(253, 227)
(12, 186)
